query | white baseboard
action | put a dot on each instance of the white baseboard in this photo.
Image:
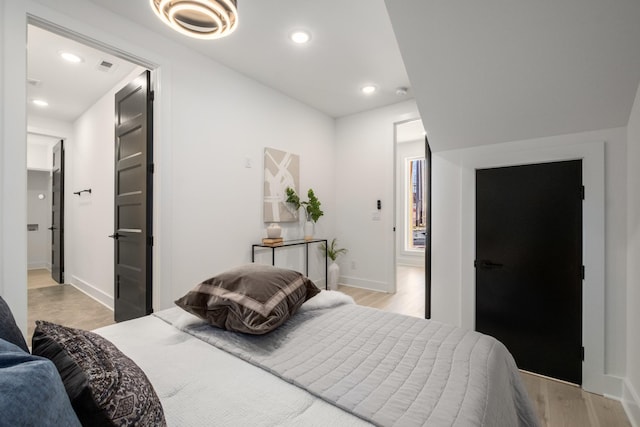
(370, 285)
(631, 403)
(41, 265)
(95, 293)
(410, 261)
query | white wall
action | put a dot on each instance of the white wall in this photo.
(208, 121)
(40, 152)
(53, 128)
(89, 164)
(13, 299)
(13, 170)
(453, 244)
(39, 213)
(217, 200)
(632, 384)
(364, 174)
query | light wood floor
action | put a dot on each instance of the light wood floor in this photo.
(558, 404)
(408, 299)
(62, 304)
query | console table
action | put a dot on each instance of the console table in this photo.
(289, 243)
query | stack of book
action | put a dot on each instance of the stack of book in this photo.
(272, 242)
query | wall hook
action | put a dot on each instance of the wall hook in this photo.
(77, 193)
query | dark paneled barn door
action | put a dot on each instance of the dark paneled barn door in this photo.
(133, 199)
(529, 264)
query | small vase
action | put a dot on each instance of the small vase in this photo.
(273, 231)
(308, 230)
(334, 274)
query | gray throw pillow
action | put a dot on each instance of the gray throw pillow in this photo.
(253, 299)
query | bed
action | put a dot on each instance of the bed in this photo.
(331, 362)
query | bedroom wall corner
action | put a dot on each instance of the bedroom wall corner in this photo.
(631, 396)
(364, 174)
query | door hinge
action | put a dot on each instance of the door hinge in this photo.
(150, 241)
(582, 353)
(394, 229)
(582, 192)
(152, 167)
(582, 272)
(152, 95)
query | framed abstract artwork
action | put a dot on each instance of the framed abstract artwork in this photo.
(281, 170)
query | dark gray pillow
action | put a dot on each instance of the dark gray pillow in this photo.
(9, 331)
(253, 299)
(105, 387)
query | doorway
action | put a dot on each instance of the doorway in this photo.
(529, 268)
(80, 92)
(412, 219)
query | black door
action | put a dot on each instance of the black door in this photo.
(133, 199)
(529, 264)
(57, 214)
(427, 234)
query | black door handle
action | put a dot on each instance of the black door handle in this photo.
(486, 264)
(52, 228)
(115, 236)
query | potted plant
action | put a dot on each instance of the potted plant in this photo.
(311, 208)
(333, 252)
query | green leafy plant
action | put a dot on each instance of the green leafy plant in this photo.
(311, 207)
(333, 252)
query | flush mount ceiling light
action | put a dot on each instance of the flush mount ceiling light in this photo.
(201, 19)
(300, 37)
(40, 102)
(70, 57)
(369, 89)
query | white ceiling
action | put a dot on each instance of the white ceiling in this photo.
(482, 72)
(70, 89)
(352, 45)
(497, 70)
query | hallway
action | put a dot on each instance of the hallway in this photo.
(62, 304)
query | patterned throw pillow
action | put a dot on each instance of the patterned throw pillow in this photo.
(253, 299)
(105, 387)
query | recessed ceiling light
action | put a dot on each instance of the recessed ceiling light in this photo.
(71, 57)
(369, 89)
(40, 102)
(300, 37)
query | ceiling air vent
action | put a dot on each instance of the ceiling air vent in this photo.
(106, 66)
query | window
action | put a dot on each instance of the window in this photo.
(417, 204)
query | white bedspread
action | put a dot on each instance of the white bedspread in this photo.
(200, 385)
(386, 368)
